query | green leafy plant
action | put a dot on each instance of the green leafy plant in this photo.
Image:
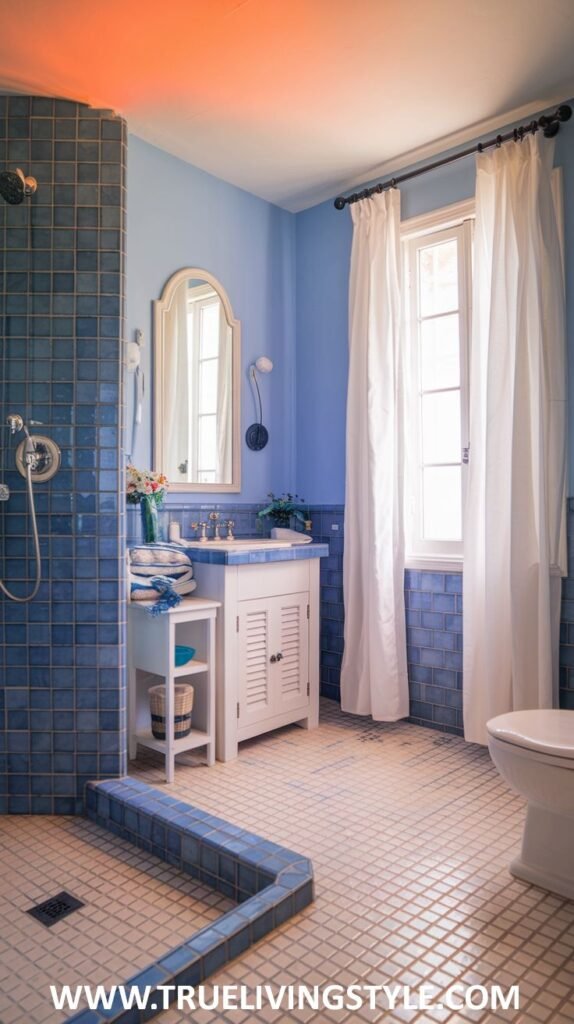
(283, 507)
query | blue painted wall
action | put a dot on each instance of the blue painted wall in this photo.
(323, 249)
(180, 216)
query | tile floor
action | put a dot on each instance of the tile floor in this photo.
(410, 833)
(127, 892)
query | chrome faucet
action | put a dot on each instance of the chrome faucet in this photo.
(214, 518)
(230, 524)
(203, 528)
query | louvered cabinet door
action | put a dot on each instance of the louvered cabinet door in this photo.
(273, 657)
(291, 627)
(255, 698)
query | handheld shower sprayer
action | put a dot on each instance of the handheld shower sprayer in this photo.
(17, 425)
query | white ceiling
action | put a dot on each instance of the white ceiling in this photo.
(295, 100)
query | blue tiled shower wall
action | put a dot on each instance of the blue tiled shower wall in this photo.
(433, 602)
(61, 329)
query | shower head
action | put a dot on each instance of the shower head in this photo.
(15, 186)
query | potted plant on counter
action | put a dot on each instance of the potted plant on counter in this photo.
(282, 509)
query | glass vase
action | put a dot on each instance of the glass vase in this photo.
(150, 519)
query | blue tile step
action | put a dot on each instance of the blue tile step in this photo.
(268, 882)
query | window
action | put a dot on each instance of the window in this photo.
(437, 253)
(203, 340)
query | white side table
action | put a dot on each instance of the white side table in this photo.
(151, 651)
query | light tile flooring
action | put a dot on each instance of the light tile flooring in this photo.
(126, 892)
(410, 832)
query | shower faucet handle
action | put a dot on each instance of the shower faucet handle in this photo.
(229, 523)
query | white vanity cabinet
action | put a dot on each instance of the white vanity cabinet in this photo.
(267, 644)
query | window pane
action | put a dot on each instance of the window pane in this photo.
(209, 346)
(440, 362)
(442, 503)
(206, 477)
(208, 386)
(207, 443)
(438, 278)
(441, 427)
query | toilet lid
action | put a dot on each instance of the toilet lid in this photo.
(549, 732)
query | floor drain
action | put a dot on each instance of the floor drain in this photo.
(55, 909)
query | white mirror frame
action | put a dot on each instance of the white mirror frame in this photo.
(160, 308)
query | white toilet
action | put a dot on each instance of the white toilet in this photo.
(534, 751)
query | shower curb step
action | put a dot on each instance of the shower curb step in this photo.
(268, 882)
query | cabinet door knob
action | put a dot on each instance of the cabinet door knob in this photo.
(279, 656)
(273, 659)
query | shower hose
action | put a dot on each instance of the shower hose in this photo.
(35, 589)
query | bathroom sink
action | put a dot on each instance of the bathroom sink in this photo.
(239, 545)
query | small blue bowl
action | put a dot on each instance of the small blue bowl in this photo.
(183, 654)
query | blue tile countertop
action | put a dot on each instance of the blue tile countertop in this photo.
(198, 553)
(268, 882)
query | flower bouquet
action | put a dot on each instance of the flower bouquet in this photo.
(147, 489)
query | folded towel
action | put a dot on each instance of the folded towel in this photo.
(139, 593)
(165, 588)
(158, 554)
(161, 575)
(156, 569)
(142, 585)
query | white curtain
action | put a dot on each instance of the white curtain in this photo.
(176, 386)
(374, 672)
(516, 496)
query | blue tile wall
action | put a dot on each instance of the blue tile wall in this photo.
(433, 603)
(244, 516)
(62, 657)
(433, 608)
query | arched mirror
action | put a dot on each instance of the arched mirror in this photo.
(196, 384)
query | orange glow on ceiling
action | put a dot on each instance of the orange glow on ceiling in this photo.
(292, 98)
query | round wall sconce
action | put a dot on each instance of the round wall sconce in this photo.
(257, 436)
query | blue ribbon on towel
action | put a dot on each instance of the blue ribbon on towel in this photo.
(168, 597)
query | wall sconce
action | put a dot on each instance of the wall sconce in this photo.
(257, 436)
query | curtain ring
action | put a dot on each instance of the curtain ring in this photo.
(498, 141)
(393, 182)
(480, 147)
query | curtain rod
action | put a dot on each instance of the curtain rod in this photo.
(549, 123)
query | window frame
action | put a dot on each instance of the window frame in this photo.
(455, 221)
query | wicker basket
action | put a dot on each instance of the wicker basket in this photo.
(183, 704)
